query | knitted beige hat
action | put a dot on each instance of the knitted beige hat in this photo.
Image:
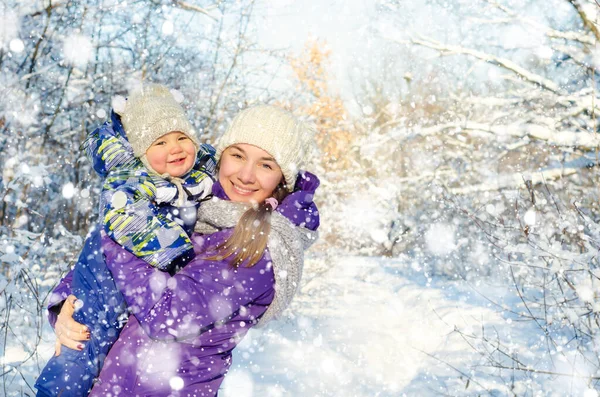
(150, 113)
(274, 130)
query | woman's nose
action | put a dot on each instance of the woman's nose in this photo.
(246, 173)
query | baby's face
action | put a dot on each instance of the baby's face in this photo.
(173, 153)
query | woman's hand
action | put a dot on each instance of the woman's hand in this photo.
(68, 331)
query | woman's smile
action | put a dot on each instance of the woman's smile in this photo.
(241, 190)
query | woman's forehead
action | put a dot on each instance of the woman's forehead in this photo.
(252, 150)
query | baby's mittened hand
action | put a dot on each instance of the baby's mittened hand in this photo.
(68, 331)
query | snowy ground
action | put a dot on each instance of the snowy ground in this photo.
(362, 327)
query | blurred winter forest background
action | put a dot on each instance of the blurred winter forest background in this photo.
(459, 138)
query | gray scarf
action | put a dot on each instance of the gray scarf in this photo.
(286, 243)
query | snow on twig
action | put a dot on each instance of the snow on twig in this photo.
(489, 58)
(584, 18)
(581, 140)
(462, 373)
(552, 33)
(553, 373)
(191, 7)
(515, 181)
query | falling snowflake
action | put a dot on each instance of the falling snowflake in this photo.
(118, 103)
(545, 52)
(176, 383)
(78, 50)
(220, 306)
(168, 28)
(16, 45)
(68, 190)
(530, 217)
(177, 95)
(440, 239)
(585, 291)
(328, 365)
(118, 200)
(239, 384)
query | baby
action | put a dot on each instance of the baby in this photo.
(156, 175)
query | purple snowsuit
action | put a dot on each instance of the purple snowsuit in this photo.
(179, 339)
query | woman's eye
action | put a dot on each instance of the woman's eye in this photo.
(267, 166)
(237, 156)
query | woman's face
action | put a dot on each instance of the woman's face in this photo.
(248, 174)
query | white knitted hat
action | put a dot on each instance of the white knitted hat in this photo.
(150, 113)
(274, 130)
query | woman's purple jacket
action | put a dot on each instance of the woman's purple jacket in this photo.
(183, 327)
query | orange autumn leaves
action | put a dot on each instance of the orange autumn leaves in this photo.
(326, 109)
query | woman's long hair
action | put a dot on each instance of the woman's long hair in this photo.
(249, 239)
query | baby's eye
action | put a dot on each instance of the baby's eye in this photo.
(183, 137)
(159, 143)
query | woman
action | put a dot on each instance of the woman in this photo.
(179, 339)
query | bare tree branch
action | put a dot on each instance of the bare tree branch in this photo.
(50, 6)
(191, 7)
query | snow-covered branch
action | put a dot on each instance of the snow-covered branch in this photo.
(516, 181)
(581, 140)
(585, 19)
(552, 33)
(191, 7)
(492, 59)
